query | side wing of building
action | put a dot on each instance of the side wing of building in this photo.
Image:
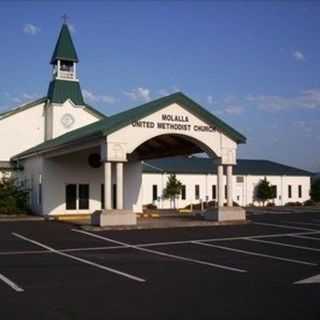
(200, 182)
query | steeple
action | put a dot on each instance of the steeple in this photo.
(64, 57)
(65, 84)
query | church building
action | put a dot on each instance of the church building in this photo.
(75, 159)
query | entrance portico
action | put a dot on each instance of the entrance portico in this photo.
(175, 129)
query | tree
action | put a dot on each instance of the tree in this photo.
(13, 199)
(264, 191)
(172, 189)
(315, 191)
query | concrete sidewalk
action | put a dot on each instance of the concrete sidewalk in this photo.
(158, 223)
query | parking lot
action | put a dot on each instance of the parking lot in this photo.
(268, 269)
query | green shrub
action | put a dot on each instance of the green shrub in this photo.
(270, 204)
(13, 199)
(264, 191)
(315, 191)
(293, 204)
(172, 189)
(149, 206)
(309, 203)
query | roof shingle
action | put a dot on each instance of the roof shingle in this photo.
(64, 49)
(198, 165)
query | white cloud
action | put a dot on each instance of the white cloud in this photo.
(308, 127)
(307, 99)
(91, 96)
(210, 99)
(31, 29)
(234, 110)
(298, 55)
(137, 94)
(23, 98)
(166, 92)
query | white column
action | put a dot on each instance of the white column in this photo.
(229, 187)
(107, 186)
(220, 186)
(59, 67)
(119, 185)
(74, 71)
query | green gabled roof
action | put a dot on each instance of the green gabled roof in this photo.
(64, 49)
(122, 119)
(196, 165)
(23, 107)
(31, 104)
(95, 111)
(61, 90)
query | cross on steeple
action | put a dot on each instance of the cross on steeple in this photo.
(65, 18)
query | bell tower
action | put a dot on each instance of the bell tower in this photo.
(64, 58)
(65, 84)
(64, 95)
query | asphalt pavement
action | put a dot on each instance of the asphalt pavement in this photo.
(268, 269)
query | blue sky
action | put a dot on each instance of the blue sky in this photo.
(254, 64)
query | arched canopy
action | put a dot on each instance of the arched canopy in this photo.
(168, 145)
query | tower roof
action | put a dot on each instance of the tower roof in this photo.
(64, 49)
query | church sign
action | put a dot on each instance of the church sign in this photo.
(172, 122)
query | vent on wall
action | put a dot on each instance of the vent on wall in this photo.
(240, 179)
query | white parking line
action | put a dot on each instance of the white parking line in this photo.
(99, 266)
(304, 237)
(27, 252)
(314, 279)
(283, 226)
(164, 243)
(303, 223)
(284, 244)
(160, 253)
(10, 283)
(252, 253)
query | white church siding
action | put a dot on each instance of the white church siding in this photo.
(70, 169)
(282, 183)
(81, 116)
(73, 168)
(21, 131)
(32, 177)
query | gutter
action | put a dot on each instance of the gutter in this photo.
(55, 148)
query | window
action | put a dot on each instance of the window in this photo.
(83, 196)
(40, 193)
(214, 192)
(274, 191)
(197, 191)
(240, 179)
(66, 66)
(77, 197)
(300, 191)
(183, 192)
(102, 196)
(114, 196)
(289, 191)
(154, 192)
(71, 196)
